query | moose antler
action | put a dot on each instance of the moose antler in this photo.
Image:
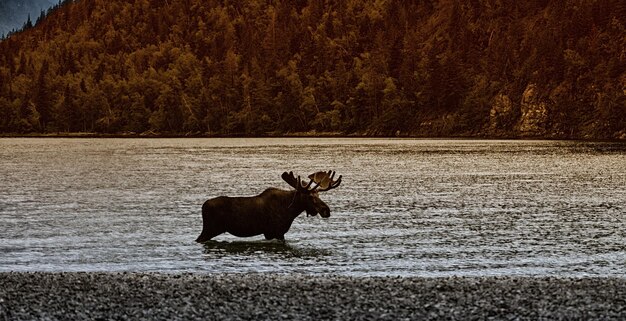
(324, 180)
(297, 182)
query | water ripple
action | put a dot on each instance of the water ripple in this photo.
(406, 207)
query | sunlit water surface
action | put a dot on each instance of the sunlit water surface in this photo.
(405, 207)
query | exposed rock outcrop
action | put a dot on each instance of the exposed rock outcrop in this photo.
(534, 113)
(501, 114)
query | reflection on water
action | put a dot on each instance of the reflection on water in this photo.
(275, 248)
(405, 207)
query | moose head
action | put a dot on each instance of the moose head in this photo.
(308, 193)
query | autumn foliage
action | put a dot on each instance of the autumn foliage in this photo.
(372, 67)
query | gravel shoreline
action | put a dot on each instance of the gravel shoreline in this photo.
(160, 296)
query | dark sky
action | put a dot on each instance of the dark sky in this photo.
(13, 13)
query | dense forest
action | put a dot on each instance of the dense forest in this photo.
(474, 68)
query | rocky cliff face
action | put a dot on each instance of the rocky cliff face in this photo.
(502, 114)
(534, 113)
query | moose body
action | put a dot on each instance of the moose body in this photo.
(270, 213)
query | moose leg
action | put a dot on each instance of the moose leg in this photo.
(209, 231)
(207, 234)
(210, 226)
(271, 237)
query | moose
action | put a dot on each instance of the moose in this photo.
(270, 213)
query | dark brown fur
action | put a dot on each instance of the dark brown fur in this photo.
(270, 213)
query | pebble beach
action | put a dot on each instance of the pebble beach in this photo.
(160, 296)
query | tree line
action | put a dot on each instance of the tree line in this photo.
(369, 67)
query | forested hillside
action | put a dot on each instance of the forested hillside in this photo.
(480, 68)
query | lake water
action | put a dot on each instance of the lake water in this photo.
(405, 207)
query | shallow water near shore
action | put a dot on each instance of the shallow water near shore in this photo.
(405, 207)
